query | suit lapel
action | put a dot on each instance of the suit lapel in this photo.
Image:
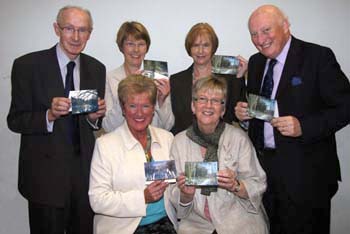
(259, 73)
(84, 73)
(54, 80)
(292, 64)
(187, 84)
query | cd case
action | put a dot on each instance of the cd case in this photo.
(224, 64)
(201, 173)
(261, 107)
(83, 101)
(155, 69)
(160, 170)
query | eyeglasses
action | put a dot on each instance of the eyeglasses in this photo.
(70, 30)
(133, 45)
(204, 100)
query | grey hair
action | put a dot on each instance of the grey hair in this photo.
(273, 10)
(63, 9)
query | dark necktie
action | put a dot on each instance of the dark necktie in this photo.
(73, 136)
(266, 91)
(69, 84)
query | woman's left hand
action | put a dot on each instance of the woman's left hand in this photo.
(242, 67)
(227, 179)
(155, 191)
(163, 87)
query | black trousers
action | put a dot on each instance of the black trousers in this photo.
(287, 216)
(76, 217)
(162, 226)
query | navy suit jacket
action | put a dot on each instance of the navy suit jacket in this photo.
(46, 159)
(315, 91)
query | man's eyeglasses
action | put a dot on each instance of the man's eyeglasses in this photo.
(70, 30)
(204, 100)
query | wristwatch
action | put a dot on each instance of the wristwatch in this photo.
(237, 187)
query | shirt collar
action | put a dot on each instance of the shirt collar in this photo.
(131, 142)
(63, 59)
(281, 58)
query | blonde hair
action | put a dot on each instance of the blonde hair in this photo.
(136, 84)
(212, 83)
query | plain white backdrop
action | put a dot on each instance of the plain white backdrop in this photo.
(26, 26)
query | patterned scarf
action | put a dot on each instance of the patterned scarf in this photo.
(211, 143)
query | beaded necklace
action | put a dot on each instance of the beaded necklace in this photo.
(148, 154)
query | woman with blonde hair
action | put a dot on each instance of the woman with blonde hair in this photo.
(118, 194)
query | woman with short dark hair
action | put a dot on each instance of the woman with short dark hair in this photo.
(201, 44)
(133, 42)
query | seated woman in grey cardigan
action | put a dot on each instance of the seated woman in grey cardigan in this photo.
(234, 205)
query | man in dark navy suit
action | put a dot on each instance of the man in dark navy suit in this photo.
(56, 147)
(297, 149)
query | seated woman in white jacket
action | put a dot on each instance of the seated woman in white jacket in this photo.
(234, 206)
(118, 195)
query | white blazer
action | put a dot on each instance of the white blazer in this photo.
(117, 179)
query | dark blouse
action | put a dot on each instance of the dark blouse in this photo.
(181, 95)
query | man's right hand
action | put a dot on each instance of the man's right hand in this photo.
(59, 106)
